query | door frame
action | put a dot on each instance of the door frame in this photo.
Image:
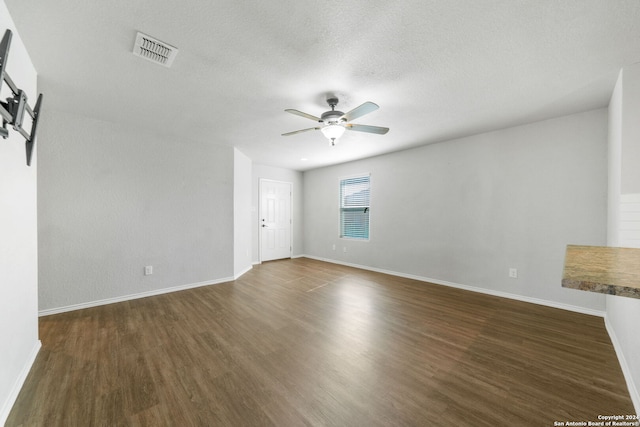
(260, 189)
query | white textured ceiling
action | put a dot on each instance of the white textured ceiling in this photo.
(438, 69)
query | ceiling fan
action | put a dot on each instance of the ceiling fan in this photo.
(333, 123)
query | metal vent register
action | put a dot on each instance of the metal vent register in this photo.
(154, 50)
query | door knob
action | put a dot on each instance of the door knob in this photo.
(264, 225)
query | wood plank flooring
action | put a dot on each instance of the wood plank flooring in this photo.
(306, 343)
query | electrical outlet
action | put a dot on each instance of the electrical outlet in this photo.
(344, 249)
(513, 273)
(334, 247)
(148, 270)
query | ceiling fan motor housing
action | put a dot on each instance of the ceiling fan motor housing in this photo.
(331, 116)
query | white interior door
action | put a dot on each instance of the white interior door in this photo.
(275, 220)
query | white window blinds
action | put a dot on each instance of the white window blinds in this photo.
(354, 207)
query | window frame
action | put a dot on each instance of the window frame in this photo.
(341, 207)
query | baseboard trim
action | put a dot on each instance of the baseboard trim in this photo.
(292, 257)
(553, 304)
(626, 370)
(130, 297)
(242, 273)
(17, 385)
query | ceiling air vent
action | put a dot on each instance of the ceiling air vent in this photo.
(154, 50)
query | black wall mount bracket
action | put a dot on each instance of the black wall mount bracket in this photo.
(14, 109)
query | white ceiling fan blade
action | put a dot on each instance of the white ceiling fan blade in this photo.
(366, 128)
(301, 114)
(360, 111)
(299, 131)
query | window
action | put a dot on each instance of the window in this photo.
(354, 207)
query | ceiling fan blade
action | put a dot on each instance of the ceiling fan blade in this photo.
(299, 131)
(301, 114)
(360, 111)
(366, 128)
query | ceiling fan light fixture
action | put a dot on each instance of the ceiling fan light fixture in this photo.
(333, 123)
(332, 132)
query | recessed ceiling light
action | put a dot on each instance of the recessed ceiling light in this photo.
(304, 159)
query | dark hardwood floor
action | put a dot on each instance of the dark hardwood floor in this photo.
(306, 343)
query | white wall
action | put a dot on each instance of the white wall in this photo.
(18, 237)
(284, 175)
(630, 180)
(614, 156)
(467, 210)
(623, 314)
(112, 200)
(242, 221)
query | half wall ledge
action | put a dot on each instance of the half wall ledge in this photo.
(602, 269)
